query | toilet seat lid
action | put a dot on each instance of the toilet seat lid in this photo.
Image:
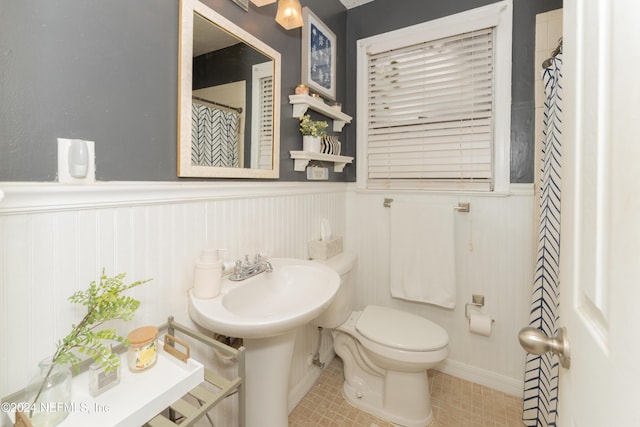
(400, 330)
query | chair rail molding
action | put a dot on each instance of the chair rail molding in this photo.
(46, 197)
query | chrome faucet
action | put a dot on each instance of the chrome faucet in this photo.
(248, 269)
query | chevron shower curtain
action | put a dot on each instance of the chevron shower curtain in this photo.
(214, 137)
(540, 400)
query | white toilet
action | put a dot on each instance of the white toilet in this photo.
(386, 353)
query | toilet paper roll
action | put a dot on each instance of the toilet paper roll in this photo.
(480, 323)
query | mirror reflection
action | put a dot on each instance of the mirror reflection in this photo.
(231, 101)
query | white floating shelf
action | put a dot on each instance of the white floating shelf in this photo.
(302, 159)
(138, 397)
(301, 103)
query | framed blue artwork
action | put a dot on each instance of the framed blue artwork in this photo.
(318, 56)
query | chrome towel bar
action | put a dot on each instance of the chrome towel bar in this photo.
(462, 206)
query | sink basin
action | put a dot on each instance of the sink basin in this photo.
(265, 310)
(268, 304)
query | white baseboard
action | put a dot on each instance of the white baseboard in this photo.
(300, 390)
(482, 376)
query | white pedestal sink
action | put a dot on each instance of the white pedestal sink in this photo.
(265, 311)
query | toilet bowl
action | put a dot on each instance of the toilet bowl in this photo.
(385, 352)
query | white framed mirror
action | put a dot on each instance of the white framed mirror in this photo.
(229, 99)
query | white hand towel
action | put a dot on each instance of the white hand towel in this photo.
(422, 253)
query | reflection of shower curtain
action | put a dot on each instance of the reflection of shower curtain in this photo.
(541, 373)
(214, 137)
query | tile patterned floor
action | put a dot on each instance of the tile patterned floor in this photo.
(455, 402)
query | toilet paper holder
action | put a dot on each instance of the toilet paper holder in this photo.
(476, 301)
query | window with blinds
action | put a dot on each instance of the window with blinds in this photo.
(262, 111)
(430, 114)
(265, 134)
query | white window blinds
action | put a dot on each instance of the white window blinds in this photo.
(431, 113)
(265, 136)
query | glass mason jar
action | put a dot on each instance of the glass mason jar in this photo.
(48, 395)
(143, 348)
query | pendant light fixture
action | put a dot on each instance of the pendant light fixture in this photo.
(289, 14)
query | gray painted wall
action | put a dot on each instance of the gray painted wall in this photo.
(107, 71)
(98, 70)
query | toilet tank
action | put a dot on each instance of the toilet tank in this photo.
(342, 305)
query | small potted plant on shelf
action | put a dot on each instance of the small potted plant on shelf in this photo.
(103, 302)
(312, 132)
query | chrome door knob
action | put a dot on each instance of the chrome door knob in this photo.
(534, 341)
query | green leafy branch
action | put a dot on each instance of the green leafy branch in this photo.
(104, 303)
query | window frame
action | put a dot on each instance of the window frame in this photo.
(498, 15)
(260, 72)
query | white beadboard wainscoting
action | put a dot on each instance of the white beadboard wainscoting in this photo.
(493, 257)
(55, 239)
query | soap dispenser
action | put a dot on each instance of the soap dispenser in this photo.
(207, 276)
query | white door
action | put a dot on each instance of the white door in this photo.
(600, 253)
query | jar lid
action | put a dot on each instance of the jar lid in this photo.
(142, 334)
